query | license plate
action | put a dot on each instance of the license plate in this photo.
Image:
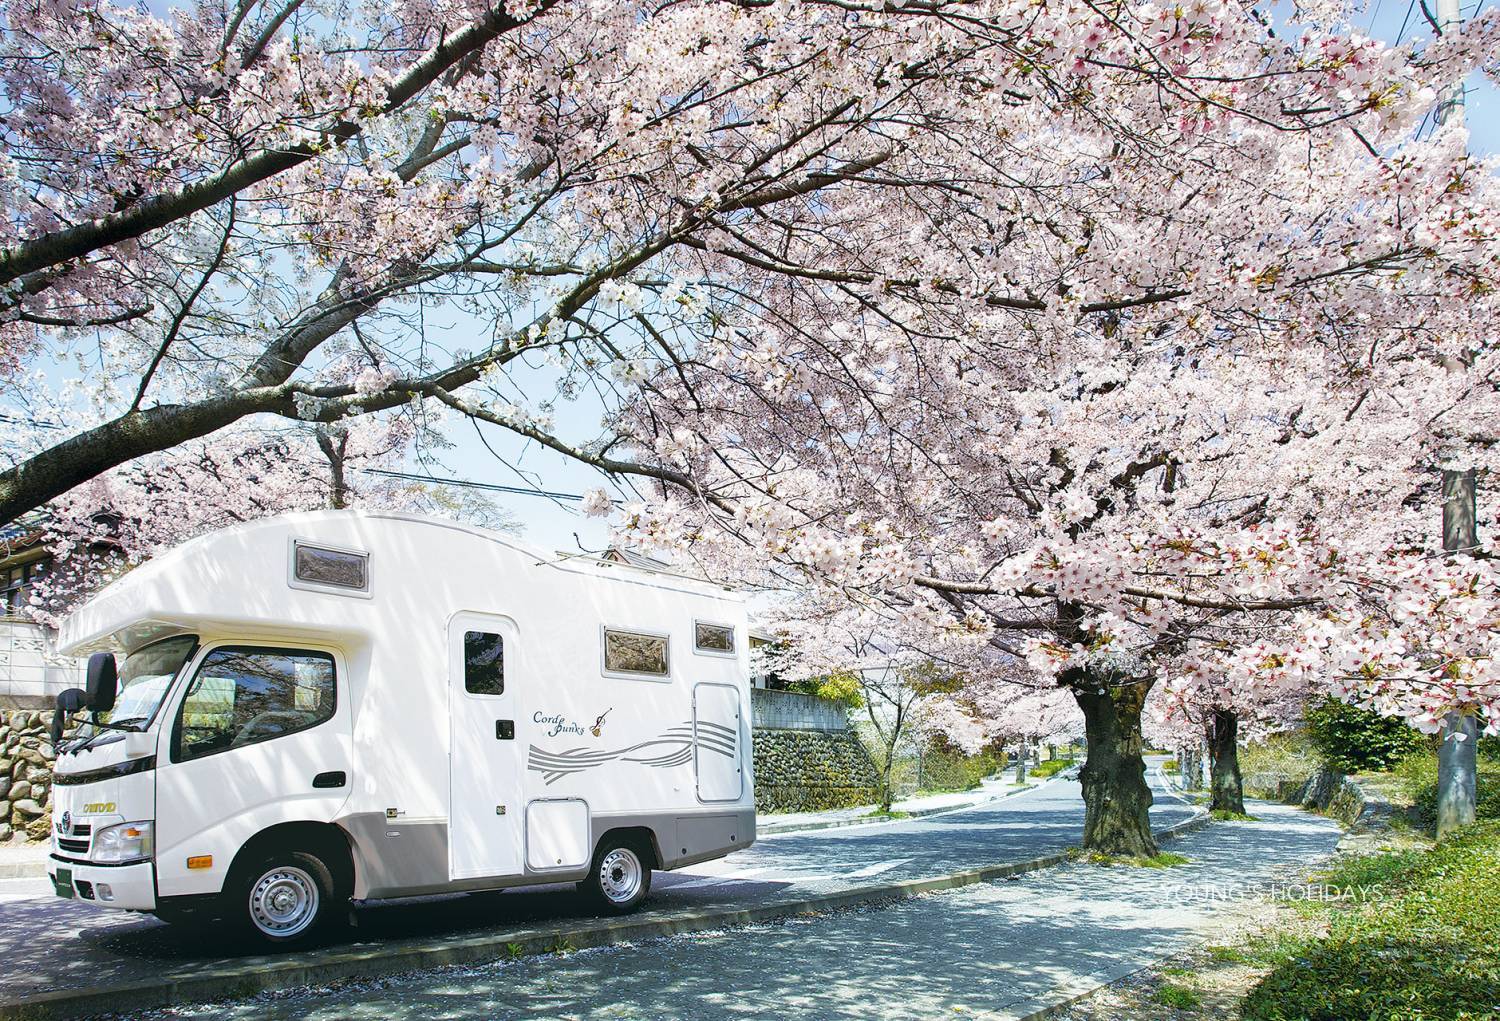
(62, 883)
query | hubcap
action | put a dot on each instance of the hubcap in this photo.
(284, 901)
(620, 875)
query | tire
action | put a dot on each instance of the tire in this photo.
(619, 877)
(282, 899)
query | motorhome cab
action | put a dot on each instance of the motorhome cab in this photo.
(301, 711)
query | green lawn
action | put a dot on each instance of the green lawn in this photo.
(1421, 943)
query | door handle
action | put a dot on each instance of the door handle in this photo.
(336, 778)
(505, 730)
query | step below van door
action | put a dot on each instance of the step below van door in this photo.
(485, 813)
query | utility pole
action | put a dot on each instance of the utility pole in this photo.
(1457, 767)
(1457, 764)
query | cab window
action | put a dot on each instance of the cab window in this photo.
(243, 695)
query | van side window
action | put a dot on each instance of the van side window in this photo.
(484, 663)
(714, 639)
(242, 695)
(632, 652)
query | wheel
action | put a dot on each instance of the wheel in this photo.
(282, 899)
(619, 878)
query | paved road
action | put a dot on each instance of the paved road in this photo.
(50, 944)
(997, 950)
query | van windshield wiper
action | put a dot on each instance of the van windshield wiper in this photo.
(100, 726)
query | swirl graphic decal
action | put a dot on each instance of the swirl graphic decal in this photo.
(672, 748)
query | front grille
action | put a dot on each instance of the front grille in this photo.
(73, 846)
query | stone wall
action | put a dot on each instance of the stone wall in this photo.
(1327, 791)
(25, 775)
(811, 770)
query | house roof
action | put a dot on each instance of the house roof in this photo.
(23, 535)
(621, 555)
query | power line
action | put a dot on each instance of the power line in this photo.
(493, 487)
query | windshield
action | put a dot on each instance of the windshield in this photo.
(145, 676)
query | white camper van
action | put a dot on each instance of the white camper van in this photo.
(341, 705)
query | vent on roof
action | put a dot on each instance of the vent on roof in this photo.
(331, 568)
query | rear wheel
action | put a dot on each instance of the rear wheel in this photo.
(620, 877)
(282, 899)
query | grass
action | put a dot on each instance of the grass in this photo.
(1179, 997)
(1160, 860)
(1224, 815)
(879, 813)
(1049, 767)
(1422, 943)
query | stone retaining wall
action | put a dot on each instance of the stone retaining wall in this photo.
(25, 775)
(1327, 791)
(811, 770)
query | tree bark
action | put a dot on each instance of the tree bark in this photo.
(1226, 788)
(49, 251)
(1021, 754)
(1116, 797)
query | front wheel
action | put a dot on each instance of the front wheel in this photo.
(283, 899)
(619, 878)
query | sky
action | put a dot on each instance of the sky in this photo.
(558, 525)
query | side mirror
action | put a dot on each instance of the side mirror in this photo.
(103, 679)
(68, 703)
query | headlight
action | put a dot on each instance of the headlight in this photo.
(129, 841)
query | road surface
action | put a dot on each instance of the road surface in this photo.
(998, 951)
(51, 944)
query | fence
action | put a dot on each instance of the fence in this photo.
(788, 710)
(31, 671)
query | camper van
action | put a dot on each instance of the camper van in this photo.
(288, 715)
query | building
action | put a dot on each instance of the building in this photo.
(31, 672)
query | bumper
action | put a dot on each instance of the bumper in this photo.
(128, 887)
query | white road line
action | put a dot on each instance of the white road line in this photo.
(876, 869)
(735, 876)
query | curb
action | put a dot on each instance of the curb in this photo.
(252, 975)
(23, 870)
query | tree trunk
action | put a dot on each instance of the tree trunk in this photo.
(1021, 754)
(886, 796)
(1226, 789)
(1116, 797)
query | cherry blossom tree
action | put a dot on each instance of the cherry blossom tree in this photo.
(259, 209)
(1053, 334)
(981, 442)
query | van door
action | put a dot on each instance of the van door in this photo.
(260, 735)
(485, 812)
(716, 742)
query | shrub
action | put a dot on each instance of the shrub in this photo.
(1288, 754)
(953, 770)
(1049, 767)
(1354, 740)
(1429, 948)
